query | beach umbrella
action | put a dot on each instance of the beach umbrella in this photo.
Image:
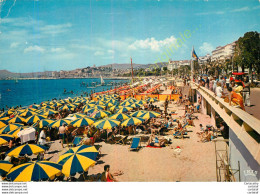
(106, 123)
(57, 104)
(131, 100)
(60, 101)
(100, 102)
(100, 114)
(45, 103)
(5, 167)
(87, 106)
(100, 107)
(35, 118)
(104, 99)
(138, 113)
(82, 122)
(4, 114)
(50, 112)
(26, 149)
(115, 95)
(27, 113)
(4, 119)
(36, 106)
(135, 105)
(15, 132)
(17, 119)
(109, 104)
(132, 121)
(10, 127)
(66, 107)
(79, 115)
(124, 109)
(10, 111)
(3, 123)
(5, 138)
(32, 109)
(45, 107)
(119, 116)
(149, 115)
(92, 102)
(59, 123)
(114, 108)
(68, 100)
(126, 103)
(91, 110)
(78, 160)
(141, 102)
(152, 100)
(113, 101)
(45, 122)
(40, 112)
(34, 171)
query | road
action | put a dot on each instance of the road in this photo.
(254, 109)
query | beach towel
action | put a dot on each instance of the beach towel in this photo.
(152, 146)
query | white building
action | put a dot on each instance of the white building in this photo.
(204, 59)
(172, 65)
(223, 52)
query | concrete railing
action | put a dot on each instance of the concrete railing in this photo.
(245, 126)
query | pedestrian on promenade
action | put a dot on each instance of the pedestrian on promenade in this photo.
(246, 92)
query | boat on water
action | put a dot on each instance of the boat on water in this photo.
(102, 82)
(16, 81)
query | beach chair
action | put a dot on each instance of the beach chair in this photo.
(76, 141)
(135, 143)
(185, 125)
(123, 140)
(180, 134)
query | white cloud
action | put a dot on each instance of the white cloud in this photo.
(87, 47)
(206, 48)
(152, 44)
(257, 7)
(55, 29)
(211, 13)
(111, 51)
(99, 53)
(14, 44)
(34, 49)
(57, 50)
(241, 9)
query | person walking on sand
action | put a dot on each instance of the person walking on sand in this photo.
(166, 106)
(62, 134)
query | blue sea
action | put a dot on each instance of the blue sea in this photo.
(27, 92)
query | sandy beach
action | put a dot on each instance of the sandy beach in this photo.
(196, 161)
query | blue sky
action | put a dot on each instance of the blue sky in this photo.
(41, 35)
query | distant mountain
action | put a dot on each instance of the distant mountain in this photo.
(124, 66)
(4, 74)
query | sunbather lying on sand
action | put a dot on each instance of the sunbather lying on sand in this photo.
(156, 142)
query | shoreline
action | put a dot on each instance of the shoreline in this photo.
(106, 78)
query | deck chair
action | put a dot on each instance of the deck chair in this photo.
(122, 140)
(135, 143)
(180, 134)
(185, 125)
(76, 141)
